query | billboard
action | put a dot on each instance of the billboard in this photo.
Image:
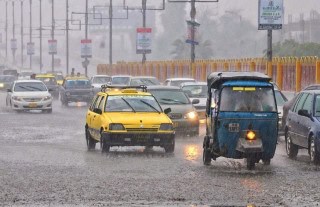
(14, 45)
(52, 47)
(144, 40)
(30, 48)
(270, 14)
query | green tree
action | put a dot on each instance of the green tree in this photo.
(293, 48)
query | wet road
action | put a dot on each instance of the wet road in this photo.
(44, 161)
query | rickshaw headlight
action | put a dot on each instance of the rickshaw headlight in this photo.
(251, 135)
(191, 115)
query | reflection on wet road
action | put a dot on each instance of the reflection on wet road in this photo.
(44, 161)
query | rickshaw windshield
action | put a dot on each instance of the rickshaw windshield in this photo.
(247, 99)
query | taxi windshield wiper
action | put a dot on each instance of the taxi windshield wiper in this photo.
(128, 104)
(173, 100)
(146, 103)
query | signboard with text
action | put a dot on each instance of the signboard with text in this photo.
(144, 40)
(270, 14)
(14, 44)
(30, 48)
(52, 44)
(193, 27)
(86, 48)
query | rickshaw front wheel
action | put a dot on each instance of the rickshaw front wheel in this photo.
(206, 156)
(251, 162)
(266, 161)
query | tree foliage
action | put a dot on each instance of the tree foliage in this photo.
(293, 48)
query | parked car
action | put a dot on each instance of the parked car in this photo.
(303, 125)
(29, 95)
(183, 115)
(144, 80)
(51, 83)
(6, 82)
(197, 90)
(10, 72)
(128, 117)
(177, 81)
(76, 89)
(123, 80)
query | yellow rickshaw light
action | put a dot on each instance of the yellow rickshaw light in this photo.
(251, 135)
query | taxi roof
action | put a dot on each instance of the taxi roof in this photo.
(125, 92)
(76, 78)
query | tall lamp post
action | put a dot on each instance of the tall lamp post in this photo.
(21, 30)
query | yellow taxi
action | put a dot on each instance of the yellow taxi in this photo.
(129, 116)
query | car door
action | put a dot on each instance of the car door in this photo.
(96, 118)
(305, 122)
(293, 119)
(90, 112)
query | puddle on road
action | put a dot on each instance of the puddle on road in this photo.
(192, 152)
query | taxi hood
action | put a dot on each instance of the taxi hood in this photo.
(131, 118)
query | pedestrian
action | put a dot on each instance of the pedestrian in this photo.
(72, 72)
(78, 74)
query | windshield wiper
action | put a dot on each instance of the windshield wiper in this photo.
(128, 104)
(168, 99)
(146, 103)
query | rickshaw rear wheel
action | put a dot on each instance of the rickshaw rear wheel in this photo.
(206, 158)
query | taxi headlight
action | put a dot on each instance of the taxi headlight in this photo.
(251, 135)
(17, 98)
(1, 85)
(47, 98)
(166, 127)
(116, 127)
(191, 115)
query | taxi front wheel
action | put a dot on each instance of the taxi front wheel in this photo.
(91, 144)
(103, 146)
(170, 148)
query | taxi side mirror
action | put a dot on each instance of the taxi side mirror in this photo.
(303, 112)
(195, 101)
(167, 111)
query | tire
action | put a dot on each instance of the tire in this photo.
(314, 154)
(266, 162)
(206, 157)
(91, 144)
(251, 162)
(103, 146)
(170, 148)
(291, 149)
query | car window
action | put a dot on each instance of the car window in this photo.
(101, 103)
(95, 99)
(29, 87)
(170, 96)
(308, 104)
(300, 103)
(279, 98)
(317, 106)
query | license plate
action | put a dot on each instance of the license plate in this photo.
(142, 137)
(175, 124)
(32, 105)
(234, 127)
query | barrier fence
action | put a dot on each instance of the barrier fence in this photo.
(290, 73)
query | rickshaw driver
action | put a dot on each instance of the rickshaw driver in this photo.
(248, 102)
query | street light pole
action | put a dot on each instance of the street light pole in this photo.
(67, 37)
(52, 34)
(144, 7)
(13, 33)
(193, 15)
(21, 33)
(110, 34)
(86, 36)
(6, 30)
(40, 31)
(30, 40)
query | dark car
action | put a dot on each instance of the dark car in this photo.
(11, 72)
(123, 80)
(51, 82)
(303, 125)
(144, 80)
(6, 81)
(183, 115)
(76, 89)
(288, 105)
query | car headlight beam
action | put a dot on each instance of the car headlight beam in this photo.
(47, 98)
(191, 115)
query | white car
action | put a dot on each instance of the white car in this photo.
(29, 95)
(178, 81)
(98, 80)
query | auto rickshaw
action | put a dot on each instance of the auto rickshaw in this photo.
(241, 118)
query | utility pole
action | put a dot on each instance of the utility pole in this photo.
(52, 34)
(21, 33)
(6, 30)
(30, 40)
(40, 31)
(13, 33)
(144, 8)
(110, 34)
(269, 50)
(193, 17)
(67, 37)
(86, 37)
